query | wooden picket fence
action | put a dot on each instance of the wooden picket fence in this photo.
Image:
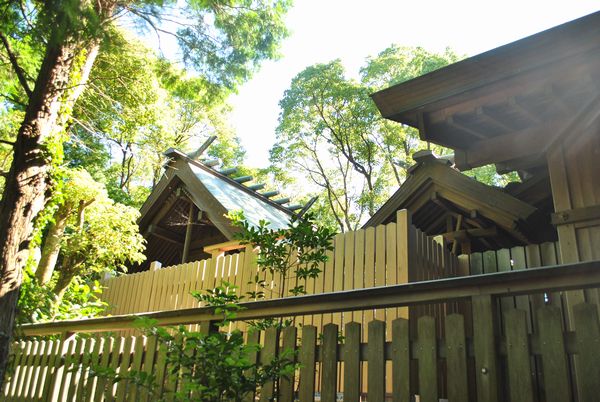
(377, 256)
(485, 363)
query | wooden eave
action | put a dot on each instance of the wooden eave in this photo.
(434, 190)
(509, 104)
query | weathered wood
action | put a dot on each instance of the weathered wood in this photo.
(124, 367)
(554, 358)
(267, 354)
(518, 356)
(286, 384)
(456, 358)
(116, 350)
(329, 363)
(351, 358)
(376, 359)
(587, 330)
(107, 347)
(401, 391)
(307, 358)
(134, 394)
(252, 338)
(428, 373)
(484, 341)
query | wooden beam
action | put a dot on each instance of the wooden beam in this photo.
(465, 234)
(165, 234)
(226, 246)
(490, 119)
(576, 215)
(451, 121)
(581, 275)
(242, 179)
(188, 234)
(511, 146)
(512, 101)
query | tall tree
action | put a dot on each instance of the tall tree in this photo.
(224, 40)
(331, 131)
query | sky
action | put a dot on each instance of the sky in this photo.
(351, 30)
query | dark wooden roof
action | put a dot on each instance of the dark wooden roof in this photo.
(437, 194)
(507, 105)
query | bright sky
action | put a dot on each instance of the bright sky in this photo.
(324, 30)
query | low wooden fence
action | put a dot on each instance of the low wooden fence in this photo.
(487, 363)
(377, 256)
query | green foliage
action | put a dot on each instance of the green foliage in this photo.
(38, 303)
(299, 249)
(223, 298)
(210, 367)
(330, 131)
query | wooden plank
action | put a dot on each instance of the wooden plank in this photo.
(86, 362)
(404, 247)
(62, 384)
(252, 338)
(328, 279)
(338, 272)
(150, 355)
(94, 361)
(286, 384)
(35, 373)
(505, 265)
(133, 394)
(349, 268)
(369, 267)
(54, 363)
(376, 359)
(76, 368)
(359, 268)
(456, 358)
(401, 361)
(161, 369)
(587, 329)
(522, 302)
(108, 344)
(124, 367)
(380, 264)
(391, 271)
(484, 343)
(351, 357)
(518, 356)
(117, 348)
(28, 369)
(329, 363)
(428, 385)
(46, 350)
(307, 360)
(554, 358)
(267, 354)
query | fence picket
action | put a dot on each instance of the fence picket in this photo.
(554, 359)
(376, 359)
(428, 384)
(456, 358)
(517, 350)
(286, 384)
(329, 363)
(351, 357)
(588, 339)
(307, 358)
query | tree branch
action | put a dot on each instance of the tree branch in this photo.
(15, 63)
(11, 143)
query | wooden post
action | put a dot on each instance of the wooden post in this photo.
(155, 266)
(188, 234)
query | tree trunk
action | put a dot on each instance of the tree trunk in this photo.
(27, 186)
(51, 247)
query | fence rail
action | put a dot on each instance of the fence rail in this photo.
(489, 363)
(581, 275)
